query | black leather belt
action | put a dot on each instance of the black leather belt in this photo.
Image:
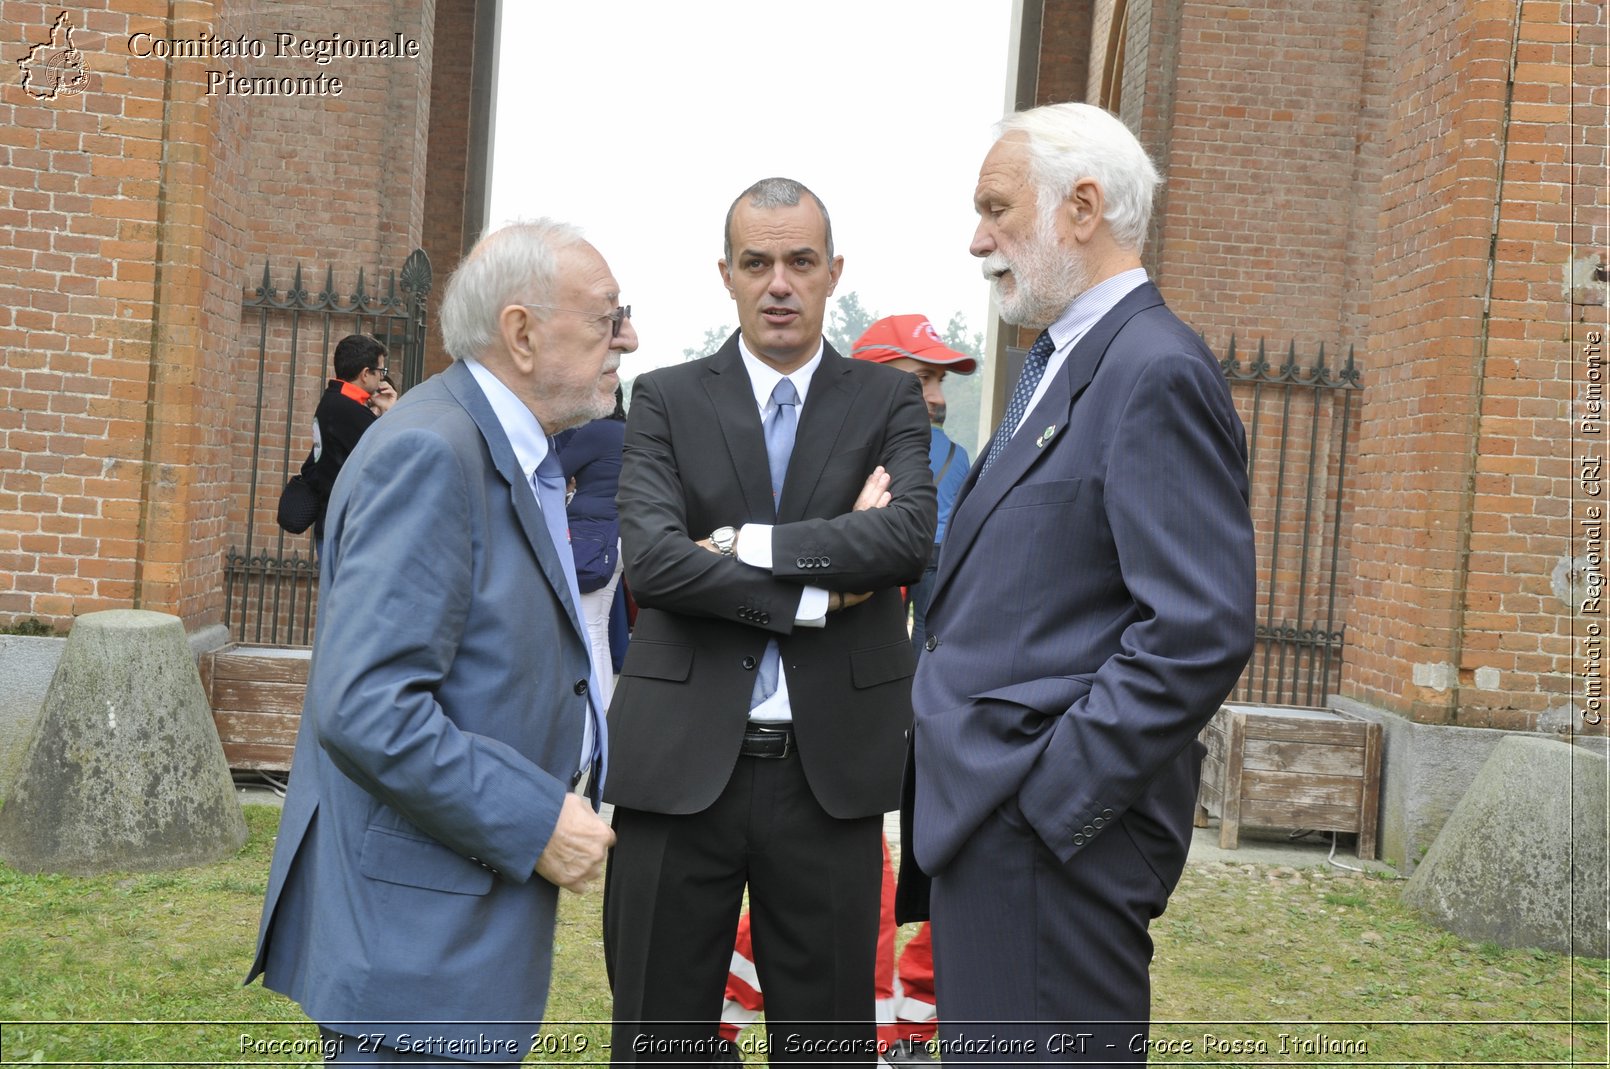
(767, 740)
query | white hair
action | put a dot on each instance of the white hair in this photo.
(1068, 142)
(516, 264)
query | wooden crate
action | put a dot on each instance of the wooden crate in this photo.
(256, 697)
(1291, 767)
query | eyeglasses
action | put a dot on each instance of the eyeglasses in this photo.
(381, 371)
(617, 318)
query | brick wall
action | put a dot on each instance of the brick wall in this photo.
(1459, 615)
(83, 238)
(1262, 168)
(1335, 172)
(133, 215)
(1065, 52)
(333, 186)
(448, 161)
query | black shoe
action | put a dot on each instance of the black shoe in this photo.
(726, 1054)
(907, 1052)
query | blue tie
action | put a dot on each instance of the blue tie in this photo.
(550, 487)
(1033, 369)
(779, 447)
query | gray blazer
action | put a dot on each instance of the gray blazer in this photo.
(441, 731)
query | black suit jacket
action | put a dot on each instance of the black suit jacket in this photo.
(694, 460)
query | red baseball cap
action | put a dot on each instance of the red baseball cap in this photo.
(910, 337)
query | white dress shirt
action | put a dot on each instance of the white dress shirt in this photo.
(1075, 322)
(754, 539)
(530, 444)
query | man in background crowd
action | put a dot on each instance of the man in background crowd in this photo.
(352, 401)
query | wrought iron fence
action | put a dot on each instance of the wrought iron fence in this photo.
(271, 578)
(1301, 425)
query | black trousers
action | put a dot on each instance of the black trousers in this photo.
(672, 897)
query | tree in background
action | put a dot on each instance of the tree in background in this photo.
(847, 320)
(964, 393)
(713, 339)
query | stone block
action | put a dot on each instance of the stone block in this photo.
(125, 770)
(27, 664)
(1521, 861)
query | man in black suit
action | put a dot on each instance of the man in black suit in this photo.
(1092, 608)
(773, 497)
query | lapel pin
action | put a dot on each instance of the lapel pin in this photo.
(1045, 436)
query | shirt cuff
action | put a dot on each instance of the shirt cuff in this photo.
(812, 611)
(754, 549)
(754, 545)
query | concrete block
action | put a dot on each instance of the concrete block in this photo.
(1425, 770)
(27, 664)
(1522, 859)
(124, 771)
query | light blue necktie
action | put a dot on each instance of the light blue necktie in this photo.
(550, 487)
(779, 447)
(1033, 369)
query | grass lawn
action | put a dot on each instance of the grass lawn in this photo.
(147, 968)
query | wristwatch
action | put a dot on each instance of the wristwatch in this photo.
(724, 539)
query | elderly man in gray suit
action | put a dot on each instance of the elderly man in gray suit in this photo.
(1093, 606)
(430, 820)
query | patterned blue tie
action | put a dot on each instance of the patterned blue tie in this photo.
(1033, 369)
(550, 486)
(779, 447)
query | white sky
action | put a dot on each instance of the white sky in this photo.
(641, 120)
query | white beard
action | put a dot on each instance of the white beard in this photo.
(1046, 279)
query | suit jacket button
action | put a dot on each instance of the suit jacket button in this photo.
(1100, 822)
(749, 664)
(581, 686)
(800, 563)
(1107, 813)
(1078, 840)
(826, 561)
(765, 617)
(931, 643)
(1089, 831)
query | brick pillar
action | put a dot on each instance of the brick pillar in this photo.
(448, 167)
(1462, 612)
(135, 209)
(100, 217)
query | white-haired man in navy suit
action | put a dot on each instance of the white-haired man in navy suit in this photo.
(1092, 607)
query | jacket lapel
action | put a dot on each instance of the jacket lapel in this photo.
(462, 385)
(1045, 424)
(733, 398)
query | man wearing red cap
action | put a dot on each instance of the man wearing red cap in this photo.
(911, 343)
(905, 996)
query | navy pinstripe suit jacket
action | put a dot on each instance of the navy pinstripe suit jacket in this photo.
(1092, 608)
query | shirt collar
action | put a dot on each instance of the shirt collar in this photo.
(1092, 304)
(353, 391)
(519, 423)
(763, 378)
